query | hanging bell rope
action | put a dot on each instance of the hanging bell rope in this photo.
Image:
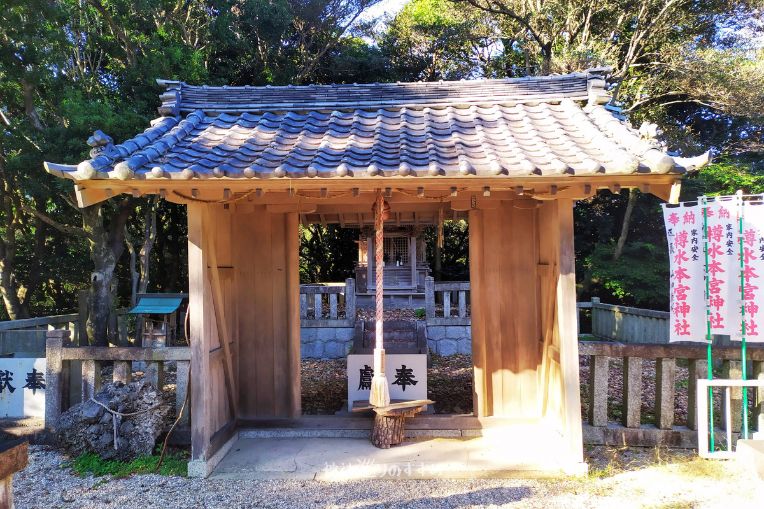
(380, 393)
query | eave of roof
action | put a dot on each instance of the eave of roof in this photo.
(525, 127)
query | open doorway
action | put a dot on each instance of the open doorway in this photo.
(426, 299)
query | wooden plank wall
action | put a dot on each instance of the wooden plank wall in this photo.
(265, 257)
(524, 335)
(209, 226)
(505, 320)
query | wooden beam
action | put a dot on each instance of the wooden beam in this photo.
(293, 312)
(199, 341)
(567, 330)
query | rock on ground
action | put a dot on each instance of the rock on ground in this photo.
(89, 427)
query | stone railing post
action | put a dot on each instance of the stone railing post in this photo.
(734, 370)
(758, 404)
(599, 367)
(91, 378)
(632, 392)
(350, 310)
(181, 387)
(596, 317)
(665, 376)
(697, 368)
(54, 379)
(429, 297)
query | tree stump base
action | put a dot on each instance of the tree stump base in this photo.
(389, 421)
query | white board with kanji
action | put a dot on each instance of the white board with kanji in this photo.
(684, 230)
(406, 376)
(22, 387)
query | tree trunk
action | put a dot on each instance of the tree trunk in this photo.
(106, 247)
(625, 225)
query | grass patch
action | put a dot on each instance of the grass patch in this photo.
(699, 467)
(90, 463)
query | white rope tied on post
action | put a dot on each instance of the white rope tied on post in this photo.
(380, 393)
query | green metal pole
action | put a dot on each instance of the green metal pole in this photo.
(710, 359)
(742, 312)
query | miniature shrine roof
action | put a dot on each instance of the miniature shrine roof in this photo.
(526, 127)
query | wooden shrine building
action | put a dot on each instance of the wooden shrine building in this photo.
(251, 163)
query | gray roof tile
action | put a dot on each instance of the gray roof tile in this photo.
(491, 127)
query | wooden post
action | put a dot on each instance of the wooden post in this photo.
(665, 376)
(599, 367)
(14, 456)
(412, 261)
(697, 368)
(567, 325)
(199, 341)
(632, 392)
(293, 311)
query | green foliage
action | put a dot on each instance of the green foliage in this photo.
(639, 277)
(175, 464)
(420, 313)
(69, 67)
(327, 253)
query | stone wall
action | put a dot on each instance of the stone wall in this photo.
(325, 342)
(449, 339)
(335, 342)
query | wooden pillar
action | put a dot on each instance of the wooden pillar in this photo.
(412, 261)
(199, 312)
(567, 324)
(369, 262)
(479, 387)
(293, 310)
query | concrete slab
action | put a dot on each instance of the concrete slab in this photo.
(342, 459)
(750, 453)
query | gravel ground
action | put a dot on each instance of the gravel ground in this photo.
(622, 478)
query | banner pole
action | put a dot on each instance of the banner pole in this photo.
(710, 359)
(743, 352)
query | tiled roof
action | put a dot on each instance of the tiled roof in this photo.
(516, 128)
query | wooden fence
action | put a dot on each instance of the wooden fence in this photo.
(328, 304)
(661, 429)
(454, 295)
(62, 375)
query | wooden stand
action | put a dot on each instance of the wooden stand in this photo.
(13, 457)
(389, 420)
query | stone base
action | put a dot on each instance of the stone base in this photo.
(203, 468)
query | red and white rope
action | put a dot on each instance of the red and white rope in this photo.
(379, 261)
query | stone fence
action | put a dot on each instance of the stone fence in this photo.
(628, 324)
(449, 329)
(73, 373)
(659, 428)
(327, 319)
